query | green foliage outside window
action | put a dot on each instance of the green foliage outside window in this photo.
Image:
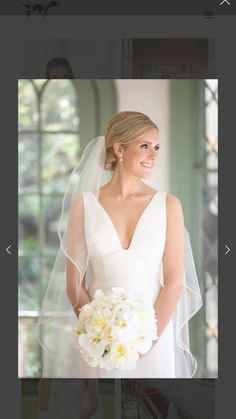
(48, 149)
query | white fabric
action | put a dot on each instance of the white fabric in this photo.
(137, 268)
(54, 324)
(90, 242)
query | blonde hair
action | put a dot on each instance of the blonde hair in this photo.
(124, 128)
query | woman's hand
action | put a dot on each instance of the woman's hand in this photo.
(154, 342)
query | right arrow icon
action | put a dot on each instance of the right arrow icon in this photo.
(227, 249)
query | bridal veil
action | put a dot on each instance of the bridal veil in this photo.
(57, 317)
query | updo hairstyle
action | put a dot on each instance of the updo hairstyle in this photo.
(124, 128)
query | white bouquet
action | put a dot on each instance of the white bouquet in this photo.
(114, 329)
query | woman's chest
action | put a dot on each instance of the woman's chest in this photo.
(128, 231)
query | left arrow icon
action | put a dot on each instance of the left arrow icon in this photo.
(8, 249)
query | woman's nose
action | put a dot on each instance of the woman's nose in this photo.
(152, 153)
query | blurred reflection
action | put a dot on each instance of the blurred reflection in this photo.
(69, 399)
(167, 58)
(171, 399)
(59, 68)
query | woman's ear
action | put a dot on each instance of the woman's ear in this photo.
(118, 149)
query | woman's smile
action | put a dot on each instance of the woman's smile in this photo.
(147, 165)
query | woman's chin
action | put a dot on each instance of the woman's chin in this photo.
(146, 174)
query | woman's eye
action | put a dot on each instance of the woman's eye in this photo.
(145, 146)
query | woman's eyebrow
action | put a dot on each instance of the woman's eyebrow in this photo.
(148, 142)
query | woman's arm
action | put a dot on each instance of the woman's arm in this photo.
(93, 401)
(77, 293)
(173, 264)
(77, 251)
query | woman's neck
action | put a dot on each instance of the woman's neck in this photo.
(123, 185)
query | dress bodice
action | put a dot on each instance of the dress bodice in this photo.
(137, 268)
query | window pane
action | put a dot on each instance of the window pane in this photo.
(28, 223)
(60, 155)
(28, 162)
(45, 163)
(212, 120)
(48, 263)
(28, 349)
(51, 215)
(60, 107)
(50, 340)
(29, 283)
(39, 83)
(212, 84)
(28, 112)
(210, 224)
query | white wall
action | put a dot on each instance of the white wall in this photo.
(152, 98)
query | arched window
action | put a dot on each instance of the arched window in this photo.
(57, 118)
(49, 146)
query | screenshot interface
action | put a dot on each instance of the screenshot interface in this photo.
(66, 69)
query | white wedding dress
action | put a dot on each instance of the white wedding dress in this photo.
(137, 268)
(89, 239)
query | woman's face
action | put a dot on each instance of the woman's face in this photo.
(140, 156)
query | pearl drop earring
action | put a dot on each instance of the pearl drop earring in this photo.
(121, 158)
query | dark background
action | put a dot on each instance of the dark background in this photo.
(222, 30)
(71, 7)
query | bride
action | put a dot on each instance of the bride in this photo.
(122, 232)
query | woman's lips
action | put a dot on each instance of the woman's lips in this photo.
(146, 165)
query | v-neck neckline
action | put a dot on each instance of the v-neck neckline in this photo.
(137, 224)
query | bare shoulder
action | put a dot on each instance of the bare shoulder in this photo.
(173, 202)
(173, 207)
(78, 199)
(77, 203)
